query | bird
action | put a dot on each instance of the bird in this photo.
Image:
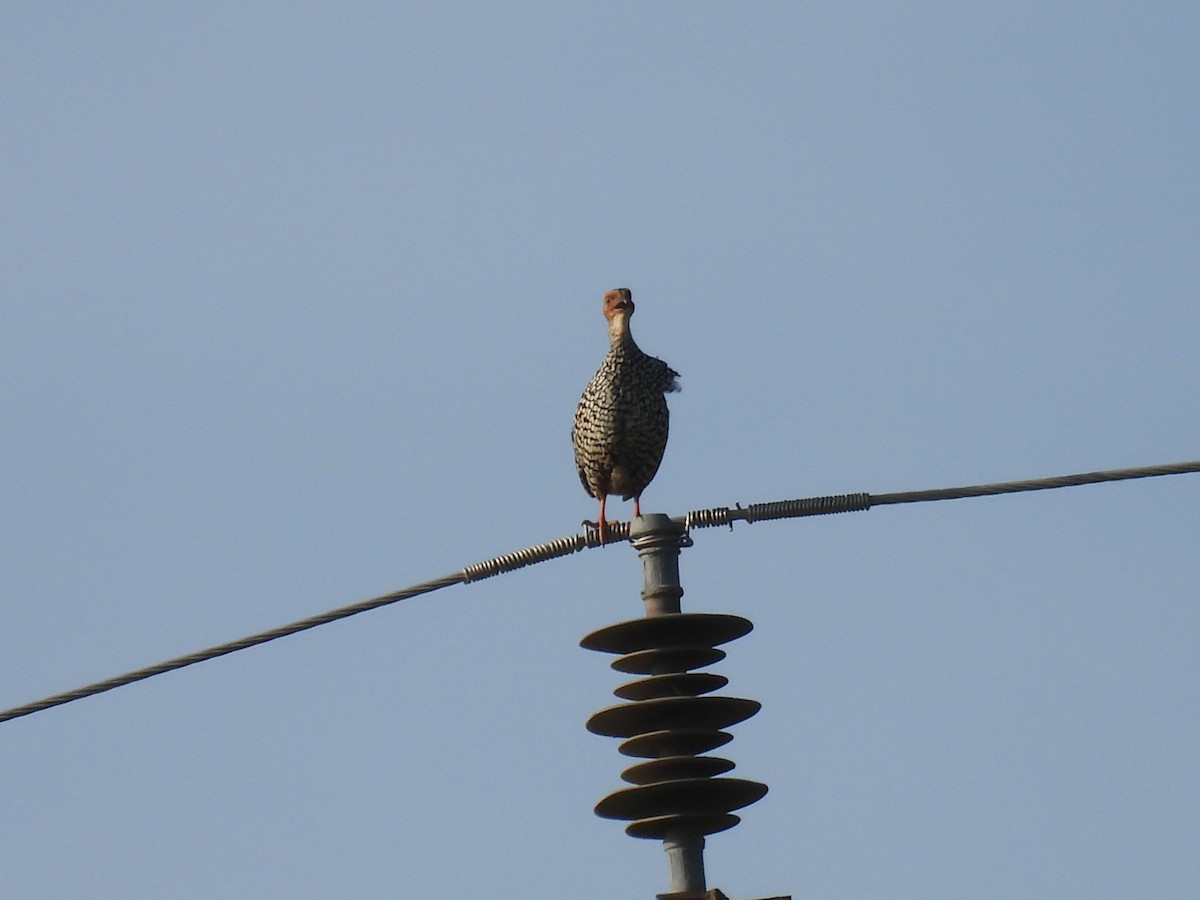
(621, 422)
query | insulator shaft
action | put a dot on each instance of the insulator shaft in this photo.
(671, 722)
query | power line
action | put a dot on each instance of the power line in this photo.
(821, 506)
(619, 531)
(252, 640)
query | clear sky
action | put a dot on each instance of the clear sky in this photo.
(296, 301)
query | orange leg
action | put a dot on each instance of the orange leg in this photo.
(600, 522)
(637, 506)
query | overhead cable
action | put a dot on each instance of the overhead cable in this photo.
(618, 531)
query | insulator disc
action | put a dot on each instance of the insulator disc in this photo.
(692, 796)
(674, 768)
(683, 684)
(672, 630)
(658, 827)
(678, 742)
(655, 661)
(664, 713)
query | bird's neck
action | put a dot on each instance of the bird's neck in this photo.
(618, 329)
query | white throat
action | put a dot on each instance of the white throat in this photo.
(618, 325)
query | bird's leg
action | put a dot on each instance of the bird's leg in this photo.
(601, 524)
(637, 507)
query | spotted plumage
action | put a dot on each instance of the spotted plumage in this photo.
(621, 421)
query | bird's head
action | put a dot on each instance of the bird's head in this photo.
(617, 300)
(618, 307)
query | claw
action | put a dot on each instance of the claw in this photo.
(600, 527)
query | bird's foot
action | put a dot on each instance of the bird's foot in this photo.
(600, 527)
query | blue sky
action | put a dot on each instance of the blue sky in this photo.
(296, 302)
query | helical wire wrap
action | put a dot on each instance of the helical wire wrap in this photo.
(518, 559)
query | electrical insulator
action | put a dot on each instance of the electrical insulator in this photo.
(672, 721)
(679, 794)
